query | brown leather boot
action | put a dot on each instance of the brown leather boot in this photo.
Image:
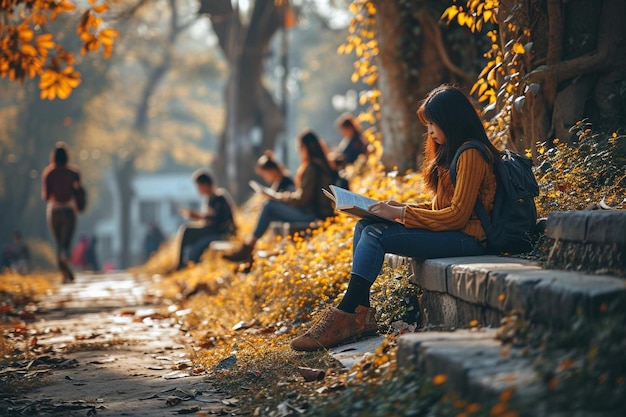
(241, 255)
(366, 319)
(333, 328)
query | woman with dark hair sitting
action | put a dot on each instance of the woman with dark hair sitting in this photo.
(274, 173)
(306, 204)
(447, 227)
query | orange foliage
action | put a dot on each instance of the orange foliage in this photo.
(27, 51)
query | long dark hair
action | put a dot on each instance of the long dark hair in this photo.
(59, 155)
(315, 148)
(451, 110)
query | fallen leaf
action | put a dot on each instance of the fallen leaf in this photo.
(311, 374)
(227, 363)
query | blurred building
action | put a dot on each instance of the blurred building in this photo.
(157, 198)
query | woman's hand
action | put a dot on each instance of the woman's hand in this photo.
(389, 209)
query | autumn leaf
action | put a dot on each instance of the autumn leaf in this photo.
(518, 48)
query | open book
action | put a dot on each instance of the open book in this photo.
(354, 204)
(258, 188)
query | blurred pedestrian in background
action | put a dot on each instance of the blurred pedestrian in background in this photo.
(60, 185)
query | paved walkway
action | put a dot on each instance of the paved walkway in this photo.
(113, 354)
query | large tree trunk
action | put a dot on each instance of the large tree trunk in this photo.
(577, 67)
(125, 168)
(253, 119)
(413, 60)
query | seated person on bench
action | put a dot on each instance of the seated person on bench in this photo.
(306, 204)
(274, 173)
(212, 224)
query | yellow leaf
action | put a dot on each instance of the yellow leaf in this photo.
(518, 48)
(28, 49)
(66, 6)
(487, 15)
(101, 8)
(450, 12)
(354, 9)
(461, 18)
(439, 379)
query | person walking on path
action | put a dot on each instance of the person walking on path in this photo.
(306, 204)
(60, 183)
(447, 227)
(214, 223)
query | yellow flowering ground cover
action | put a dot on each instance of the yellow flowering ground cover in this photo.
(242, 323)
(253, 316)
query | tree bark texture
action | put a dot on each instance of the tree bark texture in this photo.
(125, 166)
(415, 57)
(251, 109)
(577, 61)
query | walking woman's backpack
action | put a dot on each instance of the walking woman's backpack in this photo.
(514, 216)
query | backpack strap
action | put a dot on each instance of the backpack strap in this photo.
(478, 206)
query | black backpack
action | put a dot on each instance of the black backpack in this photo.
(514, 215)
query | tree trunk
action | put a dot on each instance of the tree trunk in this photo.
(125, 168)
(584, 73)
(253, 119)
(401, 132)
(413, 60)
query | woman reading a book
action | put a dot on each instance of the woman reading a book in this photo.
(274, 173)
(446, 227)
(306, 204)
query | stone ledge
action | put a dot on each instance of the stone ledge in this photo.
(473, 362)
(598, 226)
(504, 285)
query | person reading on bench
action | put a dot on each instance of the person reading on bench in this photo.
(447, 227)
(214, 223)
(274, 173)
(306, 204)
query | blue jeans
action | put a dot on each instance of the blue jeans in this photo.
(373, 240)
(194, 241)
(277, 211)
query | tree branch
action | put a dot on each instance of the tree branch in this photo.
(596, 61)
(555, 33)
(429, 24)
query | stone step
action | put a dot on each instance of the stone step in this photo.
(474, 363)
(486, 288)
(598, 226)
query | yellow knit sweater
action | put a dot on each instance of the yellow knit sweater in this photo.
(453, 207)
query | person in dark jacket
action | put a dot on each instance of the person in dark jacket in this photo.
(216, 222)
(352, 144)
(306, 204)
(274, 173)
(60, 182)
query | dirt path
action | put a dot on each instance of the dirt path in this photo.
(114, 355)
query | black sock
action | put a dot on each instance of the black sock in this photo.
(358, 294)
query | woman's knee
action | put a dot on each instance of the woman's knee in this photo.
(374, 230)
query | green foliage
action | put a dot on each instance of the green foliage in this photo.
(584, 367)
(403, 394)
(591, 169)
(396, 298)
